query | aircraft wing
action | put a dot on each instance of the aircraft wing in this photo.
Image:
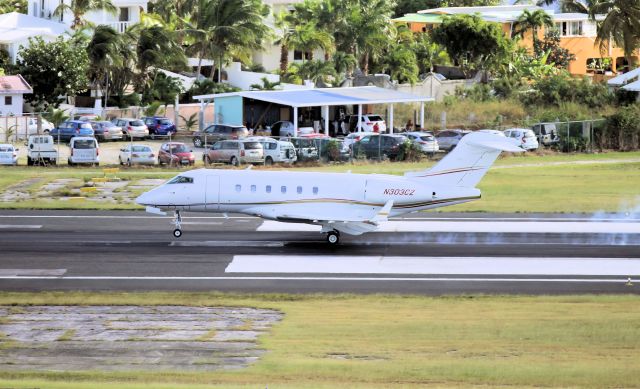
(351, 226)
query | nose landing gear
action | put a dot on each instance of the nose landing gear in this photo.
(177, 222)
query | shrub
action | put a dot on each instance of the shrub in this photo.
(622, 130)
(477, 93)
(409, 151)
(558, 89)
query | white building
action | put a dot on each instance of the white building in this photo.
(128, 13)
(17, 28)
(12, 89)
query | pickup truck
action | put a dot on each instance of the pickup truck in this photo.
(41, 149)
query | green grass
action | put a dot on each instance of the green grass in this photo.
(527, 183)
(381, 341)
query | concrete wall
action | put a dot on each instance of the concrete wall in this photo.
(243, 79)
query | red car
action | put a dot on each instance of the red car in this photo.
(175, 153)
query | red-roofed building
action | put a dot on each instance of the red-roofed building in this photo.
(12, 89)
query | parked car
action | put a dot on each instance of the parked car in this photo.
(235, 152)
(136, 155)
(218, 132)
(426, 141)
(369, 123)
(276, 151)
(494, 132)
(159, 126)
(70, 129)
(32, 126)
(379, 146)
(40, 149)
(104, 130)
(286, 128)
(8, 154)
(448, 139)
(306, 149)
(522, 137)
(175, 153)
(547, 133)
(85, 150)
(132, 128)
(354, 137)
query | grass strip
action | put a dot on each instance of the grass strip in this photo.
(379, 341)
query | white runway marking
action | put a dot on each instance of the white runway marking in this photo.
(226, 243)
(481, 227)
(31, 272)
(334, 264)
(377, 279)
(20, 226)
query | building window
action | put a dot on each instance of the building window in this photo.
(268, 189)
(315, 190)
(283, 189)
(253, 188)
(124, 14)
(570, 28)
(238, 188)
(299, 190)
(8, 100)
(297, 55)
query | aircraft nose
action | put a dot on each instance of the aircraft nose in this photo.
(145, 199)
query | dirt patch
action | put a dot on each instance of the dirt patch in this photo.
(120, 338)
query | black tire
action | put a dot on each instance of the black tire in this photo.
(197, 141)
(177, 233)
(333, 238)
(206, 160)
(234, 161)
(128, 162)
(268, 161)
(120, 160)
(29, 161)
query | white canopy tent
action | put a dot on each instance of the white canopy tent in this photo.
(624, 78)
(326, 97)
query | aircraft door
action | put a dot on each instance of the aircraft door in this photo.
(213, 193)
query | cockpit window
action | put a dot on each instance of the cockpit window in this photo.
(181, 180)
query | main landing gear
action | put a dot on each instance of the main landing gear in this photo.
(177, 222)
(333, 237)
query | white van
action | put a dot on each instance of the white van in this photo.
(276, 151)
(84, 149)
(41, 150)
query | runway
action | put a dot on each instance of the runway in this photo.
(426, 253)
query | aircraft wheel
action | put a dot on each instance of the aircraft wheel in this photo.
(333, 237)
(177, 233)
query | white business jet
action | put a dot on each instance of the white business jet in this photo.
(339, 202)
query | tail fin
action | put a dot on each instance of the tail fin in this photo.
(468, 162)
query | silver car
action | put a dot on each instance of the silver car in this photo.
(448, 139)
(8, 155)
(426, 141)
(132, 128)
(234, 152)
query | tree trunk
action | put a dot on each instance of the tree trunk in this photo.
(284, 59)
(200, 61)
(364, 65)
(310, 55)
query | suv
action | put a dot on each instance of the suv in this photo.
(159, 126)
(70, 129)
(522, 137)
(235, 152)
(547, 133)
(369, 123)
(448, 139)
(132, 128)
(306, 149)
(218, 132)
(379, 146)
(425, 140)
(275, 151)
(84, 149)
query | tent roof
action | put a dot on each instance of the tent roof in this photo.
(325, 96)
(419, 18)
(633, 87)
(624, 78)
(16, 27)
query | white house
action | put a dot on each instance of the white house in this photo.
(17, 28)
(11, 90)
(128, 13)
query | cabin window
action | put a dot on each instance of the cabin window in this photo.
(299, 190)
(315, 190)
(181, 180)
(268, 189)
(238, 188)
(253, 188)
(283, 189)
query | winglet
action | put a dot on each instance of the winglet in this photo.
(383, 214)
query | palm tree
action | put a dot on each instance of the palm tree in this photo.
(307, 38)
(621, 24)
(80, 7)
(532, 21)
(103, 55)
(266, 85)
(317, 71)
(401, 63)
(156, 47)
(344, 63)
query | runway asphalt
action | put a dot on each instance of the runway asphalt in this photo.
(425, 253)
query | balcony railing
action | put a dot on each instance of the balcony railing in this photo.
(121, 26)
